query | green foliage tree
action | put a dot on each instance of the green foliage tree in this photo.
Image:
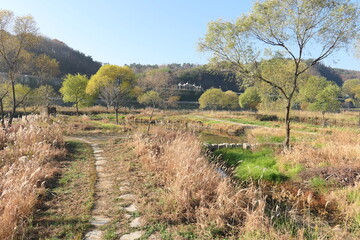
(250, 99)
(212, 99)
(349, 87)
(231, 100)
(73, 90)
(152, 99)
(45, 95)
(123, 76)
(326, 101)
(291, 29)
(114, 85)
(309, 90)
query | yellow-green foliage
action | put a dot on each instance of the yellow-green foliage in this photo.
(73, 89)
(109, 74)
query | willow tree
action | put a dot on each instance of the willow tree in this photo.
(114, 84)
(295, 30)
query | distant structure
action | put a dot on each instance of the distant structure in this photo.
(188, 86)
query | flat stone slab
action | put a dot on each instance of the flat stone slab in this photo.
(99, 168)
(131, 208)
(98, 156)
(104, 175)
(132, 236)
(94, 235)
(99, 220)
(137, 222)
(100, 162)
(103, 184)
(98, 151)
(127, 196)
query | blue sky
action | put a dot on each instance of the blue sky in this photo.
(138, 31)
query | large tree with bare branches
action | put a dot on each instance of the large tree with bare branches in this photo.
(17, 35)
(292, 32)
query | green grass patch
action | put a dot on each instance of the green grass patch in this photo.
(318, 184)
(67, 209)
(255, 165)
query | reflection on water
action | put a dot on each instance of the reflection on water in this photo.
(211, 138)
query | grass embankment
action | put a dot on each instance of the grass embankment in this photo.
(66, 210)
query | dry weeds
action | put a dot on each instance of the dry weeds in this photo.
(194, 190)
(26, 154)
(339, 149)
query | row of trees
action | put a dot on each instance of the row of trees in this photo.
(314, 94)
(115, 85)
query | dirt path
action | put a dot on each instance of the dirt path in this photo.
(250, 125)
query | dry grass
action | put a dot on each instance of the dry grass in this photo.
(27, 150)
(194, 190)
(339, 149)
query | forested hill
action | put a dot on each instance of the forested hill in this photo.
(202, 75)
(70, 60)
(337, 75)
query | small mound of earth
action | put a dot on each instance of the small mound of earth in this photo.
(340, 177)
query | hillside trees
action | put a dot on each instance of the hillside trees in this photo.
(17, 36)
(289, 28)
(114, 85)
(73, 90)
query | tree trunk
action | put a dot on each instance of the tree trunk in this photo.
(77, 109)
(323, 118)
(287, 123)
(117, 116)
(13, 110)
(2, 114)
(359, 119)
(151, 115)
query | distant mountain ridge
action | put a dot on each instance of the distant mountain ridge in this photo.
(70, 60)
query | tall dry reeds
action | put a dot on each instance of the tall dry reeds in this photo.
(339, 149)
(194, 189)
(26, 153)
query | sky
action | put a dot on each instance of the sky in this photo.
(139, 31)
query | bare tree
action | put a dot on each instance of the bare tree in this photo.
(114, 96)
(17, 34)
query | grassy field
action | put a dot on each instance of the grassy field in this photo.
(311, 191)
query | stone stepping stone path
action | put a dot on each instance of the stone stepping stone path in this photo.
(132, 236)
(101, 186)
